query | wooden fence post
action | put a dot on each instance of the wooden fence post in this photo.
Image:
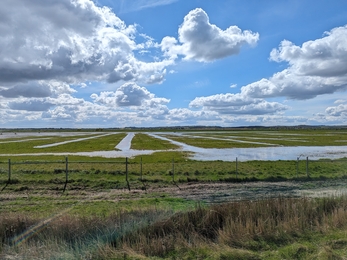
(307, 167)
(66, 169)
(126, 169)
(144, 185)
(141, 168)
(173, 170)
(9, 170)
(236, 168)
(66, 172)
(126, 172)
(297, 167)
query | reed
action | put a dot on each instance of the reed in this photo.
(273, 228)
(65, 236)
(247, 225)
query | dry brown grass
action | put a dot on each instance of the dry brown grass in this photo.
(67, 236)
(229, 231)
(250, 225)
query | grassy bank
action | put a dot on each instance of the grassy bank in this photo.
(266, 229)
(279, 228)
(160, 169)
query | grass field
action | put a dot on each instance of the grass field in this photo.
(144, 142)
(166, 165)
(167, 213)
(105, 142)
(244, 139)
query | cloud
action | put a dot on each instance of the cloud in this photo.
(338, 111)
(202, 41)
(30, 105)
(49, 46)
(33, 89)
(71, 41)
(339, 101)
(237, 104)
(63, 113)
(317, 67)
(129, 95)
(187, 115)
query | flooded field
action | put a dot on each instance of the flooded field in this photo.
(201, 146)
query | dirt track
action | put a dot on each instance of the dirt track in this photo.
(200, 192)
(222, 192)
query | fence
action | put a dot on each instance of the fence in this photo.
(126, 171)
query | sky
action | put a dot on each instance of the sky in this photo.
(149, 63)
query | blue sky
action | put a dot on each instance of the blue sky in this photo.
(120, 63)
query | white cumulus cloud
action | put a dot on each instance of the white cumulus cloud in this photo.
(129, 95)
(202, 41)
(317, 67)
(337, 111)
(236, 104)
(73, 41)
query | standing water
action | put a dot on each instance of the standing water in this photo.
(125, 144)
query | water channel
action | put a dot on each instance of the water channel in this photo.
(272, 153)
(260, 153)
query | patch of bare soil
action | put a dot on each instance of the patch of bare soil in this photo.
(200, 192)
(223, 192)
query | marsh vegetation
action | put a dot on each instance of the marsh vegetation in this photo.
(278, 228)
(177, 208)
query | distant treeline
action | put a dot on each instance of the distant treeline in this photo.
(177, 128)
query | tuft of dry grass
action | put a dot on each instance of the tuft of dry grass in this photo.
(68, 236)
(250, 225)
(235, 230)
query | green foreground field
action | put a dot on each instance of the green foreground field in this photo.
(162, 168)
(93, 215)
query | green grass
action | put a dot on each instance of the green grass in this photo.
(41, 205)
(106, 208)
(87, 172)
(145, 142)
(104, 143)
(284, 138)
(28, 146)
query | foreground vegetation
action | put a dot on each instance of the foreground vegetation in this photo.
(97, 217)
(279, 228)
